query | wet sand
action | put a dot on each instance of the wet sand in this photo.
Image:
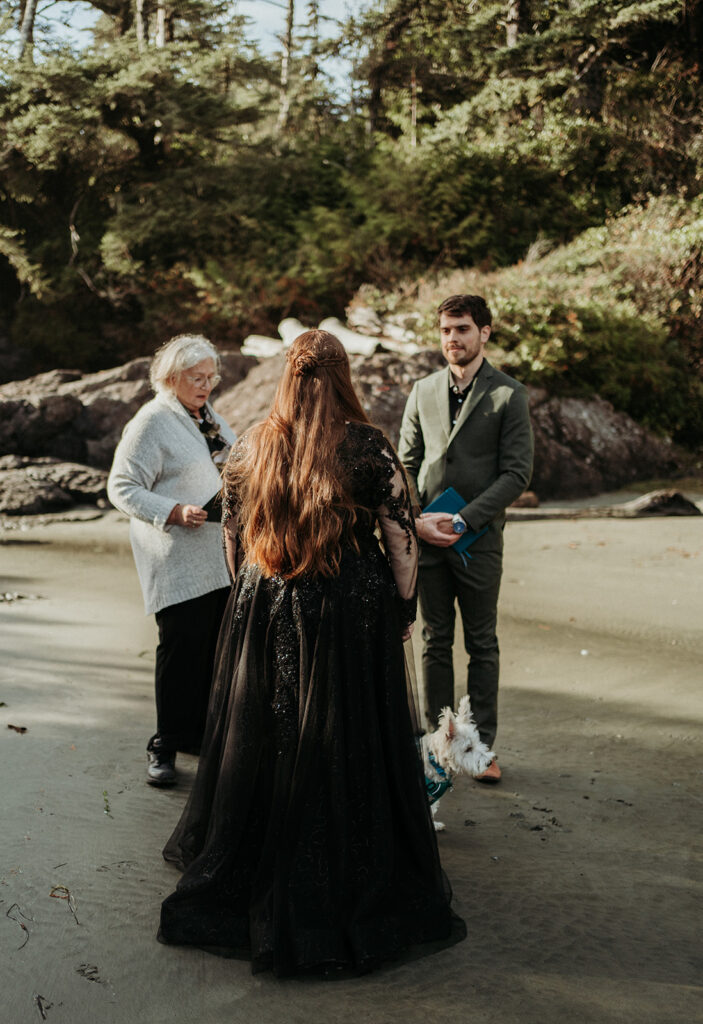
(579, 876)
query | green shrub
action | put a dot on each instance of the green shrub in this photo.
(617, 312)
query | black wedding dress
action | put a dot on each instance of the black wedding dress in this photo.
(307, 842)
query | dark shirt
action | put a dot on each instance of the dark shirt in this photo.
(457, 397)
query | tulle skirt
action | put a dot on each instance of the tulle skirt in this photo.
(307, 843)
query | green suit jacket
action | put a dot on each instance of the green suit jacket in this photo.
(486, 456)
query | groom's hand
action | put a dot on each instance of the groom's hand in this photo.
(436, 528)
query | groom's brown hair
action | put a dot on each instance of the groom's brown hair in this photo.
(475, 305)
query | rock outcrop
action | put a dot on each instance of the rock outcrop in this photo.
(383, 382)
(79, 417)
(58, 430)
(30, 486)
(583, 446)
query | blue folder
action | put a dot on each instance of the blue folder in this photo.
(451, 501)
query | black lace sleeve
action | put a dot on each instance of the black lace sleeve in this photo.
(393, 506)
(234, 553)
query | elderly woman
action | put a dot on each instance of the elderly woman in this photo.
(165, 472)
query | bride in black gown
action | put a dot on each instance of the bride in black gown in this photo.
(307, 843)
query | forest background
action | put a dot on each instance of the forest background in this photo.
(167, 175)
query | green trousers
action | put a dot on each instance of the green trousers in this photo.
(443, 580)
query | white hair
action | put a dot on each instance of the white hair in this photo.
(177, 355)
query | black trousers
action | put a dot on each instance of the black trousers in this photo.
(185, 657)
(443, 580)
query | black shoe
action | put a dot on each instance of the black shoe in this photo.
(161, 767)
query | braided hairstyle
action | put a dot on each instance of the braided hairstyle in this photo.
(295, 509)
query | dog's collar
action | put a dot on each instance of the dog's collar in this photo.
(436, 788)
(437, 766)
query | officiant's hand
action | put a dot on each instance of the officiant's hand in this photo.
(436, 528)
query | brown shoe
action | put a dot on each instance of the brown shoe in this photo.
(492, 774)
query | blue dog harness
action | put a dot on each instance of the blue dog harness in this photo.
(436, 788)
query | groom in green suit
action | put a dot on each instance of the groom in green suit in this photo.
(467, 427)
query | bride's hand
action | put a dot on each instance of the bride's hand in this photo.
(407, 633)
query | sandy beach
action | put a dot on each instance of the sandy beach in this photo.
(579, 876)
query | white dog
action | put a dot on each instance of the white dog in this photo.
(454, 747)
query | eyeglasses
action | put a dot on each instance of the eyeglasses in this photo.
(203, 382)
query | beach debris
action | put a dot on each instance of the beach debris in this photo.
(14, 595)
(585, 653)
(654, 503)
(90, 973)
(106, 803)
(357, 344)
(3, 704)
(469, 822)
(363, 318)
(121, 865)
(374, 333)
(684, 554)
(547, 825)
(398, 330)
(290, 328)
(528, 499)
(361, 344)
(60, 892)
(17, 728)
(43, 1005)
(659, 503)
(261, 346)
(14, 914)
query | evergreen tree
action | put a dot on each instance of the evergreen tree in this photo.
(148, 183)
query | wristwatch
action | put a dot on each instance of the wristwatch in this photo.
(458, 524)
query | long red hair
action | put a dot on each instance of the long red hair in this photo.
(295, 509)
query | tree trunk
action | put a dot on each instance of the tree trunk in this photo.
(141, 27)
(314, 29)
(693, 20)
(27, 31)
(284, 105)
(512, 23)
(125, 18)
(413, 108)
(381, 56)
(161, 26)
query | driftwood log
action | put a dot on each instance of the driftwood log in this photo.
(654, 503)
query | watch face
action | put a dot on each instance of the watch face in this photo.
(459, 526)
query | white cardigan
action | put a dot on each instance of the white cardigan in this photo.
(163, 460)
